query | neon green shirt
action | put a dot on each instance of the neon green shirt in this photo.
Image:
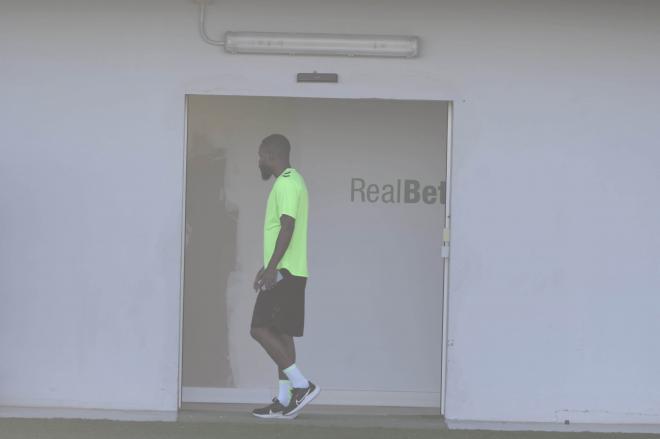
(288, 197)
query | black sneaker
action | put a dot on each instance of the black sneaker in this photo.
(275, 410)
(300, 398)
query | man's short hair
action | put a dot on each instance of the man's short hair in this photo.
(278, 145)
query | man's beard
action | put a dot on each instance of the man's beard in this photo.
(265, 173)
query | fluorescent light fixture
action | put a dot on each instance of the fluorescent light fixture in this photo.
(321, 44)
(391, 46)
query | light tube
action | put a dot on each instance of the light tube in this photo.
(322, 44)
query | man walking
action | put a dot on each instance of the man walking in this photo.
(279, 311)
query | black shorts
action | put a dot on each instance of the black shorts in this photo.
(282, 308)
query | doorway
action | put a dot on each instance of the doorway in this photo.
(376, 171)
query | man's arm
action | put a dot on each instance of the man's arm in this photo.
(287, 225)
(257, 280)
(269, 276)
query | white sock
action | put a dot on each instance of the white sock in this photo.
(284, 397)
(296, 377)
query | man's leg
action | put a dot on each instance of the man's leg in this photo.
(292, 372)
(275, 346)
(282, 350)
(287, 342)
(303, 391)
(285, 387)
(279, 349)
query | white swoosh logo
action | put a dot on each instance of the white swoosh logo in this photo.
(298, 401)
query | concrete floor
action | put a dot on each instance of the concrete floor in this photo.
(230, 422)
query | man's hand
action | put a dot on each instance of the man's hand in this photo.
(257, 280)
(268, 278)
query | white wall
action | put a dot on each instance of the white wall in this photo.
(555, 270)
